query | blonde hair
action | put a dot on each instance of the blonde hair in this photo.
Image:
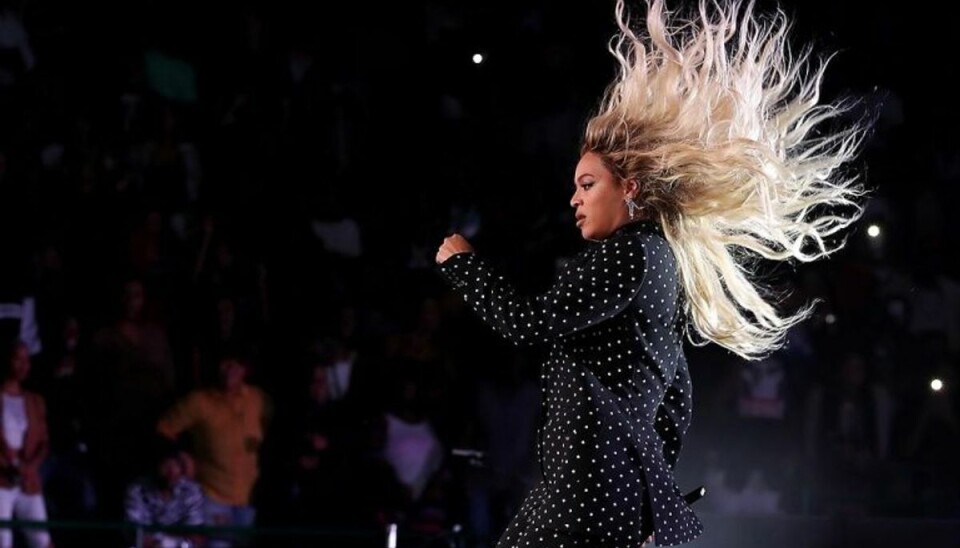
(721, 127)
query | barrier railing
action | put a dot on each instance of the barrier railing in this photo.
(392, 536)
(721, 531)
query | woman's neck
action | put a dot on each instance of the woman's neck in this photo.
(12, 387)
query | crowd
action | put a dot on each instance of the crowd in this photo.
(219, 303)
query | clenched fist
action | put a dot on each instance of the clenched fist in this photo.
(452, 245)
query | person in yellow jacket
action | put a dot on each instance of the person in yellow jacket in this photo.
(227, 424)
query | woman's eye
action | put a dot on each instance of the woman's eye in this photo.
(586, 186)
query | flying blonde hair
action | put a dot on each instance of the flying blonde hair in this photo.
(721, 126)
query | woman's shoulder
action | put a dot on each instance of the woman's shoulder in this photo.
(643, 243)
(32, 397)
(633, 237)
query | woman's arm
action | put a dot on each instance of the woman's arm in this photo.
(594, 290)
(42, 449)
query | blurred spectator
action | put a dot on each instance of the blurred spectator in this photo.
(219, 268)
(763, 389)
(68, 478)
(129, 379)
(338, 359)
(230, 297)
(932, 444)
(376, 497)
(16, 53)
(507, 406)
(848, 428)
(422, 343)
(752, 496)
(222, 326)
(340, 235)
(165, 497)
(358, 344)
(322, 449)
(934, 305)
(152, 250)
(227, 424)
(53, 295)
(23, 447)
(412, 447)
(18, 308)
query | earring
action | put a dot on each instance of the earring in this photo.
(632, 207)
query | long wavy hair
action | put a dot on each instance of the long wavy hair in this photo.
(722, 126)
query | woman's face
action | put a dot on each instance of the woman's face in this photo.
(20, 363)
(598, 198)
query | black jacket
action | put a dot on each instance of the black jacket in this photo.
(616, 389)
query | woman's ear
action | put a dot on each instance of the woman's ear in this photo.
(631, 187)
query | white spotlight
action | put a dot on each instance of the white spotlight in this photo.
(873, 231)
(936, 385)
(477, 58)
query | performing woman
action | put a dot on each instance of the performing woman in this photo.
(708, 152)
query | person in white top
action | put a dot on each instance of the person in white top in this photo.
(23, 447)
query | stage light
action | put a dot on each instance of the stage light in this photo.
(873, 231)
(830, 319)
(936, 385)
(477, 58)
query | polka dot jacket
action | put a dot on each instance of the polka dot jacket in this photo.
(616, 389)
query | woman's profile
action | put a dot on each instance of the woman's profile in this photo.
(711, 150)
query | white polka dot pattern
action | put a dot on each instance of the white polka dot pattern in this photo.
(616, 390)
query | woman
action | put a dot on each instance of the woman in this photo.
(701, 159)
(23, 447)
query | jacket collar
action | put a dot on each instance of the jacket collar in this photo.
(646, 225)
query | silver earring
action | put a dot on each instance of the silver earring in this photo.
(632, 207)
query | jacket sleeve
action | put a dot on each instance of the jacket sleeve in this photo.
(592, 290)
(182, 416)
